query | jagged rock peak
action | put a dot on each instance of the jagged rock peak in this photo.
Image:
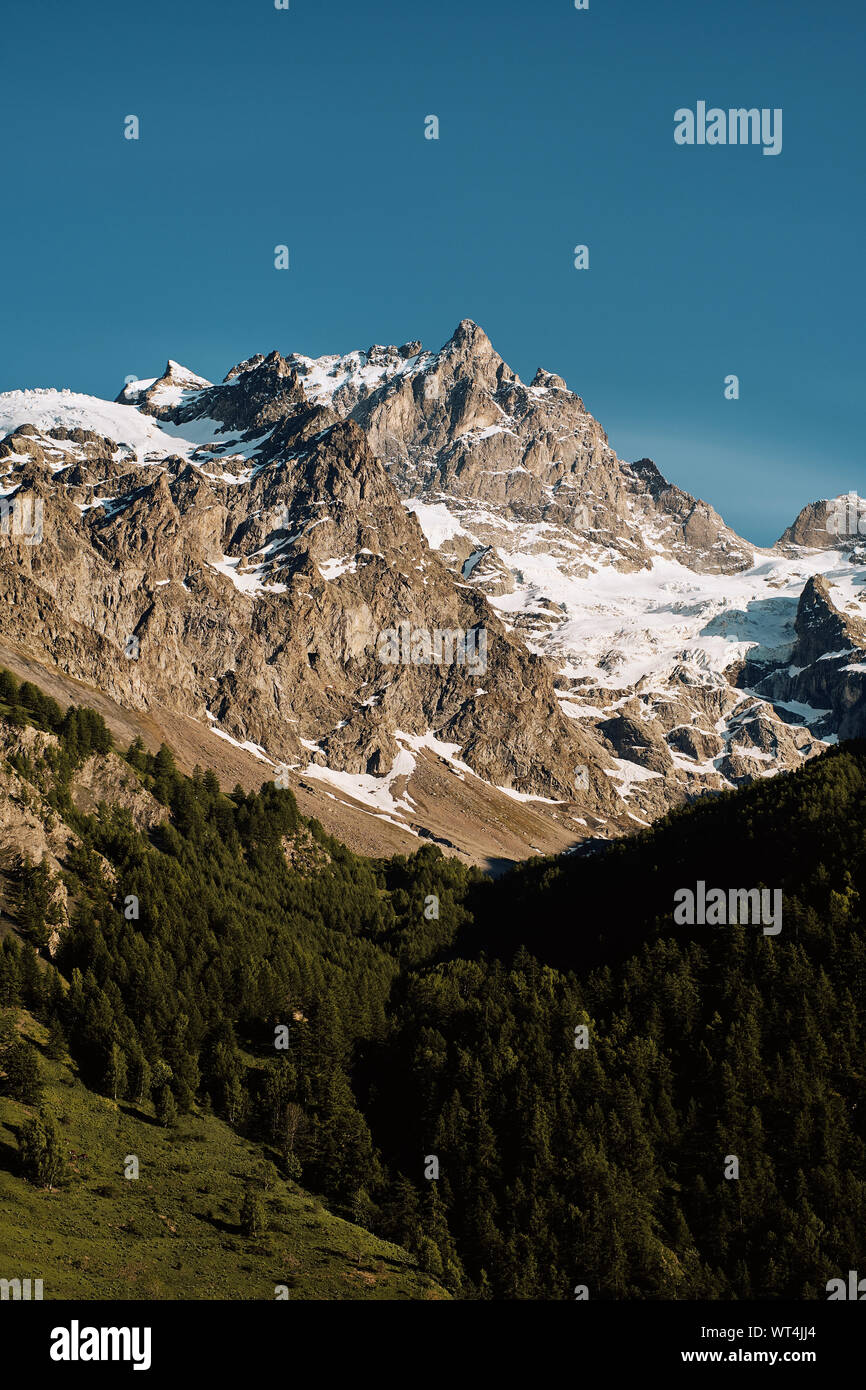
(163, 390)
(548, 381)
(829, 524)
(649, 472)
(470, 344)
(379, 355)
(175, 371)
(274, 361)
(820, 626)
(468, 331)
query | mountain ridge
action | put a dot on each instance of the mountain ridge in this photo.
(254, 540)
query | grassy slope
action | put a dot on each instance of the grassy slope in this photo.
(173, 1233)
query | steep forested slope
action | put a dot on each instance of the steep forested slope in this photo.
(206, 1216)
(433, 1015)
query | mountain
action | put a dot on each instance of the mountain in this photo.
(422, 591)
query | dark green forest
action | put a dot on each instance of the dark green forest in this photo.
(432, 1013)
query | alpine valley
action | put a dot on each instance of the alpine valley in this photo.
(214, 565)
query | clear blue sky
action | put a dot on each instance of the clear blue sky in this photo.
(306, 127)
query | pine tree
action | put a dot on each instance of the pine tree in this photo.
(23, 1080)
(165, 1106)
(115, 1072)
(253, 1213)
(55, 1048)
(41, 1148)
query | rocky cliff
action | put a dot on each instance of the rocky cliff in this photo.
(410, 579)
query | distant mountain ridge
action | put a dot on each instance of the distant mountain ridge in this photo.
(235, 551)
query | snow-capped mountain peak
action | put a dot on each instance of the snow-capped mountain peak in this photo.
(257, 534)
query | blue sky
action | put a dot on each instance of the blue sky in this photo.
(306, 128)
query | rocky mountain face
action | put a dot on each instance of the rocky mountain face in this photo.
(427, 589)
(837, 523)
(645, 603)
(30, 828)
(462, 425)
(826, 673)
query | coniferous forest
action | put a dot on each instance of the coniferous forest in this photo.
(533, 1085)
